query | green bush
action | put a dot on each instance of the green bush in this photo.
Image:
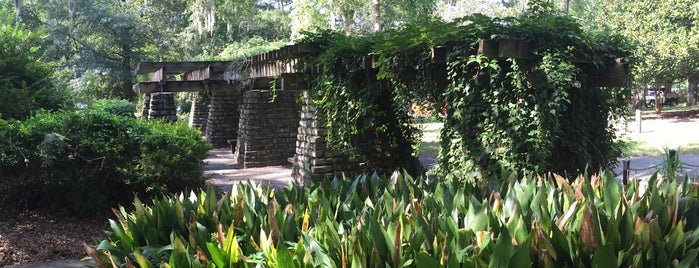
(399, 221)
(25, 80)
(82, 162)
(115, 106)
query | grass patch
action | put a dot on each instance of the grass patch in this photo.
(640, 148)
(429, 142)
(690, 148)
(682, 107)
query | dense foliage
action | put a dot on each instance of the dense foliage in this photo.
(536, 112)
(666, 34)
(82, 162)
(26, 83)
(399, 221)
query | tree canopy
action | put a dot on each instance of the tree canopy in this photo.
(667, 38)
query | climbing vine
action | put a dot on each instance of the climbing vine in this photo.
(537, 111)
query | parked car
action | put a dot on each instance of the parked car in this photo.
(670, 99)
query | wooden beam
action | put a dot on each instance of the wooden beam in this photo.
(158, 75)
(203, 73)
(178, 86)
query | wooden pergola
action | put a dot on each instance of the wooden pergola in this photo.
(279, 68)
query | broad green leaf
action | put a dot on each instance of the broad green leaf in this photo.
(218, 255)
(690, 259)
(142, 261)
(423, 260)
(612, 193)
(284, 259)
(503, 251)
(604, 257)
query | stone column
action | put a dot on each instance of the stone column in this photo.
(224, 113)
(162, 106)
(145, 106)
(314, 158)
(267, 129)
(199, 113)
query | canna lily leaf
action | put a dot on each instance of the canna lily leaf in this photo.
(612, 193)
(503, 251)
(588, 232)
(423, 260)
(142, 261)
(218, 255)
(605, 257)
(284, 259)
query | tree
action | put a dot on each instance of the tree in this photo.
(356, 16)
(26, 82)
(214, 25)
(107, 37)
(667, 36)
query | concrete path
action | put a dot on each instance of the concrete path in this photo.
(642, 167)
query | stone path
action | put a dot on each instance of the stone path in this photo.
(221, 172)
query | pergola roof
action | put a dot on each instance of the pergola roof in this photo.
(181, 67)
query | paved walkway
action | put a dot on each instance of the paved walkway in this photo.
(642, 167)
(219, 168)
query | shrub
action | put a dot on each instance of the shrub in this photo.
(25, 80)
(82, 162)
(115, 106)
(399, 221)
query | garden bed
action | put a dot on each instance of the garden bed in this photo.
(38, 236)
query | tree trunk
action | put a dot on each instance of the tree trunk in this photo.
(693, 80)
(71, 16)
(658, 102)
(126, 65)
(377, 15)
(348, 19)
(18, 9)
(128, 89)
(566, 6)
(639, 100)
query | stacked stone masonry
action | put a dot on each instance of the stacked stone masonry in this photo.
(199, 112)
(267, 128)
(162, 106)
(224, 112)
(314, 158)
(145, 106)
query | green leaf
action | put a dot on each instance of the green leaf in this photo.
(612, 193)
(218, 255)
(689, 260)
(284, 259)
(142, 261)
(423, 260)
(604, 257)
(503, 251)
(521, 257)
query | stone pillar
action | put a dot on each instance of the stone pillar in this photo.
(314, 158)
(224, 113)
(162, 106)
(145, 106)
(199, 113)
(267, 129)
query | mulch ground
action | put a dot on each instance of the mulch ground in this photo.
(37, 236)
